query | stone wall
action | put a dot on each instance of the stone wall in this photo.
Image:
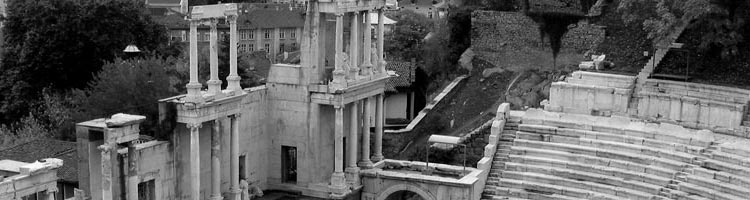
(497, 31)
(382, 181)
(512, 38)
(591, 93)
(33, 178)
(694, 105)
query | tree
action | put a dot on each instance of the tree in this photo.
(718, 20)
(60, 44)
(127, 86)
(405, 41)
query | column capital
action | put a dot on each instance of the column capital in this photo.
(231, 19)
(106, 147)
(194, 125)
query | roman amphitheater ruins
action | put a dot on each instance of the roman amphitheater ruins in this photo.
(307, 131)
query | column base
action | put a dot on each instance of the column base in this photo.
(215, 197)
(366, 69)
(234, 193)
(233, 83)
(377, 158)
(214, 87)
(367, 164)
(194, 93)
(338, 185)
(352, 176)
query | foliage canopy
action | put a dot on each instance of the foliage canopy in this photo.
(60, 44)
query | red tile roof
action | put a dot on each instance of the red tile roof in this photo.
(406, 75)
(46, 148)
(251, 16)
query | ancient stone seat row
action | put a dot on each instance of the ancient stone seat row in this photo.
(700, 91)
(726, 174)
(545, 188)
(646, 173)
(596, 181)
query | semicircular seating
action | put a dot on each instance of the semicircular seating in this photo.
(567, 156)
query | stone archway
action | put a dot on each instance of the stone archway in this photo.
(407, 187)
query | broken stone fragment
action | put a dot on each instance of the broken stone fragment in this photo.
(121, 119)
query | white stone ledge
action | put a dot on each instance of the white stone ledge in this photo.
(428, 107)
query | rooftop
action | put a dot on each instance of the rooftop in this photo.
(251, 16)
(406, 75)
(46, 148)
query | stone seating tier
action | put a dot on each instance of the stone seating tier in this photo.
(702, 91)
(597, 182)
(622, 176)
(649, 173)
(602, 79)
(576, 180)
(544, 188)
(693, 156)
(731, 163)
(700, 181)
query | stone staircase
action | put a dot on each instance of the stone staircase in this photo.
(501, 157)
(648, 69)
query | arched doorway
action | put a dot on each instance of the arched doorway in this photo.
(404, 195)
(405, 192)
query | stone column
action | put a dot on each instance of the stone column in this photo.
(339, 73)
(352, 170)
(338, 181)
(234, 153)
(109, 160)
(52, 191)
(367, 46)
(132, 172)
(354, 46)
(214, 84)
(365, 162)
(233, 80)
(216, 161)
(381, 29)
(194, 87)
(195, 165)
(379, 119)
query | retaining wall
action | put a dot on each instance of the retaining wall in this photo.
(693, 105)
(591, 93)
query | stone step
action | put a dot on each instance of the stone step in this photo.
(566, 190)
(594, 181)
(653, 170)
(503, 193)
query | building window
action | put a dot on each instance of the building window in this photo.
(282, 34)
(267, 33)
(242, 48)
(288, 164)
(294, 46)
(146, 190)
(267, 47)
(243, 35)
(293, 33)
(252, 47)
(281, 48)
(251, 34)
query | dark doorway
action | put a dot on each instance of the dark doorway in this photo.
(289, 164)
(242, 167)
(404, 195)
(147, 190)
